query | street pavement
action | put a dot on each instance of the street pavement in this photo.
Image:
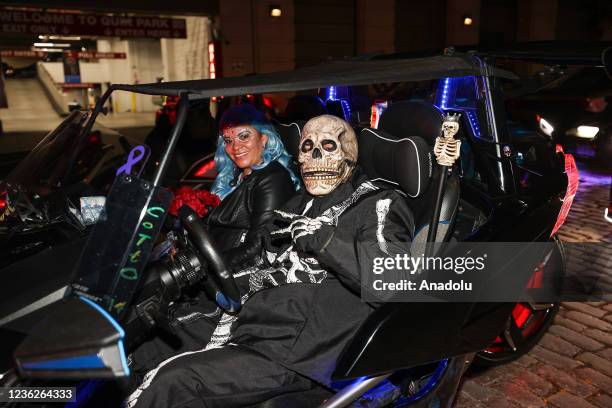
(571, 367)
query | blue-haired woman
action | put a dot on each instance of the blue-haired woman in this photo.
(254, 178)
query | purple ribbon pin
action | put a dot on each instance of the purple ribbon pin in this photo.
(136, 155)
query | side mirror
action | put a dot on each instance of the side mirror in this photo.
(76, 340)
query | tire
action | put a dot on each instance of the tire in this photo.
(528, 321)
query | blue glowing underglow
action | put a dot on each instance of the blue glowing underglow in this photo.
(427, 388)
(387, 387)
(84, 390)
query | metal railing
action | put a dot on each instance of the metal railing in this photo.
(56, 96)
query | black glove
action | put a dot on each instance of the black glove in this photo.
(309, 235)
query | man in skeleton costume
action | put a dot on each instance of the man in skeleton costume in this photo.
(302, 305)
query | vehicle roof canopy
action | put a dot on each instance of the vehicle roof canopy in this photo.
(347, 72)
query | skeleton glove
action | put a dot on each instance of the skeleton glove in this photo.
(309, 235)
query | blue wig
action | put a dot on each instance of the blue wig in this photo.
(274, 151)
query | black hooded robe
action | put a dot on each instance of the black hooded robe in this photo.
(291, 330)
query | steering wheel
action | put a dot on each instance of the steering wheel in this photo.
(227, 296)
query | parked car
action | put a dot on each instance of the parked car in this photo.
(405, 354)
(572, 110)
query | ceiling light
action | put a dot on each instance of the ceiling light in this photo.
(51, 45)
(47, 49)
(275, 11)
(64, 38)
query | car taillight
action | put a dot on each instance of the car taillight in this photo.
(205, 168)
(573, 178)
(268, 102)
(212, 60)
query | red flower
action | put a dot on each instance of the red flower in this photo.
(200, 201)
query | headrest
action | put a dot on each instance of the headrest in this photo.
(412, 118)
(405, 162)
(290, 135)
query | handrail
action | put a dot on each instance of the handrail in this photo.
(54, 92)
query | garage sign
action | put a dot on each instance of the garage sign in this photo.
(67, 24)
(79, 54)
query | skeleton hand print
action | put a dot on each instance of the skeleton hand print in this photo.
(301, 225)
(328, 153)
(308, 234)
(447, 148)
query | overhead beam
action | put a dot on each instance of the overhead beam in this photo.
(150, 7)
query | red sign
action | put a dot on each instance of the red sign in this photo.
(101, 55)
(35, 22)
(23, 53)
(75, 54)
(94, 55)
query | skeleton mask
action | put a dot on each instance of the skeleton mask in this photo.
(328, 153)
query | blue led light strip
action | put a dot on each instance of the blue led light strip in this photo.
(443, 100)
(346, 109)
(446, 88)
(331, 93)
(473, 122)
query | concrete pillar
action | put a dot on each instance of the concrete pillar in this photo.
(185, 59)
(375, 26)
(116, 71)
(456, 32)
(145, 64)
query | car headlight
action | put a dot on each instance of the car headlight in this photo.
(546, 127)
(588, 132)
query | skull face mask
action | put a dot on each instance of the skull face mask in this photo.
(450, 127)
(328, 153)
